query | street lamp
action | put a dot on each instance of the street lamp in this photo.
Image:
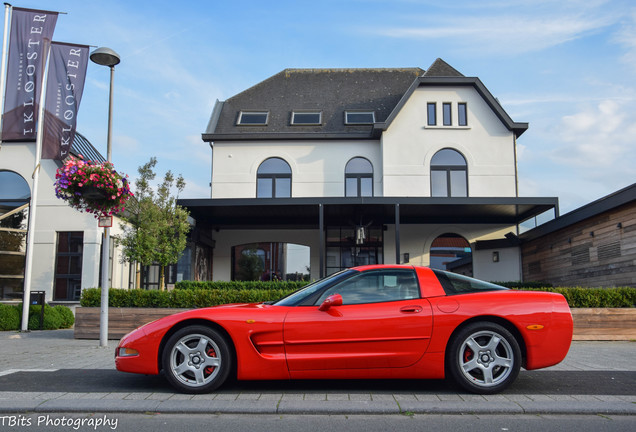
(106, 57)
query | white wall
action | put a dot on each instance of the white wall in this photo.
(317, 166)
(409, 145)
(507, 269)
(54, 215)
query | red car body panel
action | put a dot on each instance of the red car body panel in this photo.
(399, 339)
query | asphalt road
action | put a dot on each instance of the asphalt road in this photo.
(112, 381)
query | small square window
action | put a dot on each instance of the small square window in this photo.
(257, 118)
(462, 116)
(306, 118)
(431, 112)
(446, 107)
(359, 117)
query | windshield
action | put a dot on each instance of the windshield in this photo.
(299, 297)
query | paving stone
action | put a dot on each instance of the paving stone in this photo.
(249, 396)
(271, 396)
(227, 396)
(138, 396)
(293, 397)
(450, 397)
(315, 396)
(180, 396)
(359, 397)
(336, 396)
(382, 397)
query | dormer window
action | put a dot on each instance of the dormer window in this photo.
(253, 118)
(305, 118)
(359, 117)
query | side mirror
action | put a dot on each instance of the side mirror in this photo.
(332, 300)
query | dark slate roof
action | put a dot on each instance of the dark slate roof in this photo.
(82, 146)
(441, 68)
(331, 91)
(334, 91)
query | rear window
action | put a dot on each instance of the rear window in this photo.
(454, 283)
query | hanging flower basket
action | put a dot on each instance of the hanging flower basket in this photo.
(92, 187)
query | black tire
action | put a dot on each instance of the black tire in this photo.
(196, 359)
(483, 358)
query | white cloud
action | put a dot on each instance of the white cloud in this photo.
(597, 144)
(626, 36)
(490, 31)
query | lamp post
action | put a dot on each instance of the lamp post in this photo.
(106, 57)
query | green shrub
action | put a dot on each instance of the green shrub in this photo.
(524, 285)
(580, 297)
(68, 319)
(9, 317)
(52, 318)
(240, 285)
(181, 298)
(577, 297)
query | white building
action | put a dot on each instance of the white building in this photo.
(67, 243)
(362, 166)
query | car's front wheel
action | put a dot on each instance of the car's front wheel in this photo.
(484, 358)
(196, 359)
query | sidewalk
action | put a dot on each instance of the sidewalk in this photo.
(43, 357)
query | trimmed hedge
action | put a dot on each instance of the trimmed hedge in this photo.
(577, 297)
(9, 317)
(239, 285)
(180, 298)
(57, 317)
(524, 285)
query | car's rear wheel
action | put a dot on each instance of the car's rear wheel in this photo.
(196, 359)
(484, 358)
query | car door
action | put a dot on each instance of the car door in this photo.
(382, 323)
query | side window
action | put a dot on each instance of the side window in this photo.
(375, 287)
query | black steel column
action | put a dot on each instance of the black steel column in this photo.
(397, 233)
(321, 229)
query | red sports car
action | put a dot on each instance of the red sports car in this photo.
(382, 321)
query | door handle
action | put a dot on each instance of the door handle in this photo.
(411, 309)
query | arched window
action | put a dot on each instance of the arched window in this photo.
(449, 174)
(359, 178)
(452, 252)
(273, 179)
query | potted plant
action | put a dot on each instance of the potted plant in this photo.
(92, 187)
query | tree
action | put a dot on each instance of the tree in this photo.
(156, 229)
(250, 265)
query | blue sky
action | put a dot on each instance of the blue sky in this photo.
(567, 67)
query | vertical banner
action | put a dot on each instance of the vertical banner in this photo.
(31, 33)
(64, 86)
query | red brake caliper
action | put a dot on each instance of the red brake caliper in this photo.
(210, 353)
(468, 354)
